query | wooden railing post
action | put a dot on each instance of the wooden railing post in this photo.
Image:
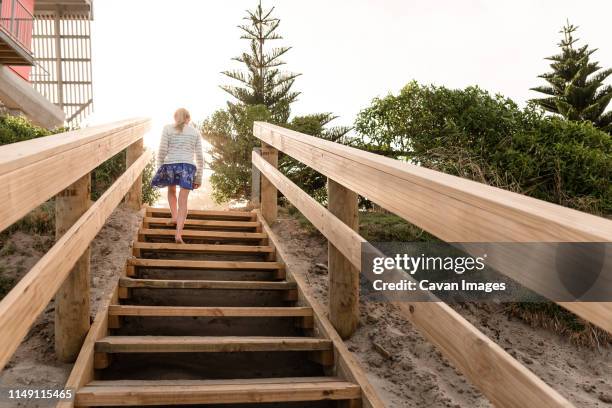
(269, 195)
(343, 276)
(133, 198)
(255, 182)
(72, 299)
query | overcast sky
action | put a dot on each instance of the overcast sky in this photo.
(151, 56)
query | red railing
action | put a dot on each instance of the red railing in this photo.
(17, 21)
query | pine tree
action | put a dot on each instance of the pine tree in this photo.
(575, 86)
(263, 83)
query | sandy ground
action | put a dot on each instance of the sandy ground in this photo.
(34, 364)
(409, 372)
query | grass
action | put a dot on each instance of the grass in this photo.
(382, 227)
(559, 320)
(40, 220)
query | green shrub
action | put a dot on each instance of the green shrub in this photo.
(15, 129)
(149, 194)
(469, 133)
(103, 176)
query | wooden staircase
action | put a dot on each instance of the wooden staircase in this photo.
(216, 321)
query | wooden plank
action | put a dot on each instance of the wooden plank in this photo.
(83, 369)
(71, 322)
(133, 198)
(269, 195)
(343, 276)
(34, 291)
(242, 381)
(203, 248)
(189, 264)
(346, 364)
(218, 393)
(452, 208)
(33, 171)
(204, 284)
(487, 365)
(174, 311)
(212, 214)
(215, 344)
(206, 223)
(189, 233)
(18, 155)
(255, 183)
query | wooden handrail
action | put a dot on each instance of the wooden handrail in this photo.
(35, 170)
(505, 381)
(452, 208)
(455, 210)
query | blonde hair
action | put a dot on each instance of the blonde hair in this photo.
(181, 118)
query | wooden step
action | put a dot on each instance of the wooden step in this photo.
(204, 224)
(205, 284)
(204, 214)
(181, 392)
(211, 235)
(193, 311)
(203, 248)
(203, 344)
(216, 265)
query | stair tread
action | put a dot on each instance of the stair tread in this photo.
(183, 263)
(190, 233)
(231, 311)
(167, 246)
(245, 381)
(171, 344)
(130, 393)
(206, 223)
(205, 213)
(204, 284)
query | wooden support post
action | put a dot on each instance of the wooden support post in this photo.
(343, 276)
(72, 299)
(269, 195)
(133, 198)
(255, 183)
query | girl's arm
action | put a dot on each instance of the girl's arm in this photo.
(199, 160)
(163, 148)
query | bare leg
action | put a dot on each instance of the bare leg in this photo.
(182, 213)
(172, 202)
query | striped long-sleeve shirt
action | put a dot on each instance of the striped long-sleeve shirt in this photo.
(181, 147)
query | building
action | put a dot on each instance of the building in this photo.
(45, 60)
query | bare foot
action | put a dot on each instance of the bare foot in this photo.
(178, 239)
(171, 222)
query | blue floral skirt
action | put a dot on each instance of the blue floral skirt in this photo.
(175, 174)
